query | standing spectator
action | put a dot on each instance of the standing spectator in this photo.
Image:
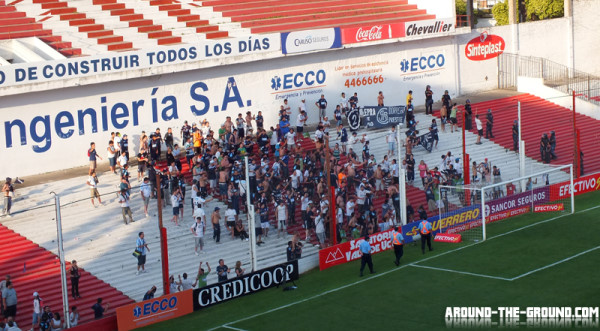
(489, 123)
(552, 144)
(146, 193)
(186, 283)
(434, 132)
(215, 220)
(169, 140)
(99, 309)
(185, 133)
(380, 98)
(122, 161)
(126, 211)
(75, 275)
(446, 100)
(320, 229)
(365, 254)
(344, 103)
(9, 300)
(409, 98)
(300, 122)
(337, 114)
(222, 271)
(322, 106)
(479, 129)
(150, 294)
(9, 193)
(93, 155)
(282, 216)
(391, 139)
(468, 115)
(397, 242)
(343, 135)
(453, 120)
(74, 316)
(515, 136)
(111, 153)
(198, 229)
(239, 272)
(92, 182)
(125, 146)
(2, 287)
(353, 101)
(443, 117)
(428, 100)
(260, 121)
(201, 279)
(231, 217)
(37, 311)
(175, 199)
(142, 247)
(423, 171)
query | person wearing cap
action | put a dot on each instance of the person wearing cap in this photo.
(9, 192)
(37, 311)
(75, 275)
(446, 100)
(489, 123)
(215, 220)
(365, 249)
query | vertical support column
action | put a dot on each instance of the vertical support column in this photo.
(483, 213)
(61, 256)
(250, 215)
(572, 191)
(164, 249)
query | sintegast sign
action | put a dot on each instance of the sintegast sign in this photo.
(247, 284)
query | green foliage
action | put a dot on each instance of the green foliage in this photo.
(461, 7)
(544, 9)
(500, 12)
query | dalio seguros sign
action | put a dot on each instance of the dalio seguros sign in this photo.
(485, 47)
(247, 284)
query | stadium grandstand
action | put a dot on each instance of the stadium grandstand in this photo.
(275, 134)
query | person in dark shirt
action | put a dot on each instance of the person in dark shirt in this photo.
(515, 135)
(422, 212)
(99, 309)
(169, 138)
(322, 105)
(428, 100)
(222, 271)
(446, 100)
(468, 115)
(150, 294)
(124, 145)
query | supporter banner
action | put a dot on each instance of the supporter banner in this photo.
(539, 195)
(348, 251)
(27, 73)
(372, 33)
(549, 208)
(448, 238)
(137, 315)
(426, 140)
(310, 40)
(581, 185)
(247, 284)
(429, 28)
(381, 117)
(485, 47)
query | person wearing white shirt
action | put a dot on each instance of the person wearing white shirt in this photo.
(198, 229)
(391, 139)
(74, 316)
(300, 121)
(326, 125)
(124, 201)
(230, 218)
(350, 207)
(122, 160)
(318, 134)
(186, 283)
(344, 103)
(291, 140)
(92, 182)
(479, 129)
(302, 107)
(282, 216)
(146, 192)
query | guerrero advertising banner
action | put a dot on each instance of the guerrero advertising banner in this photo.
(310, 40)
(372, 33)
(137, 315)
(247, 284)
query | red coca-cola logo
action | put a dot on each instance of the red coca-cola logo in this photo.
(374, 33)
(485, 47)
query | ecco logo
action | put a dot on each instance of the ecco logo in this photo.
(298, 80)
(422, 63)
(155, 306)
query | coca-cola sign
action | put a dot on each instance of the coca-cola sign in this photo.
(372, 33)
(485, 47)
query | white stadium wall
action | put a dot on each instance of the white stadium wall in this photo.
(51, 130)
(586, 36)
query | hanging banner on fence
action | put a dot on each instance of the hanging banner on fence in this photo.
(372, 33)
(166, 307)
(538, 195)
(310, 40)
(381, 117)
(246, 284)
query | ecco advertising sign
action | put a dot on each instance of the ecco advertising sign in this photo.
(310, 40)
(247, 284)
(166, 307)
